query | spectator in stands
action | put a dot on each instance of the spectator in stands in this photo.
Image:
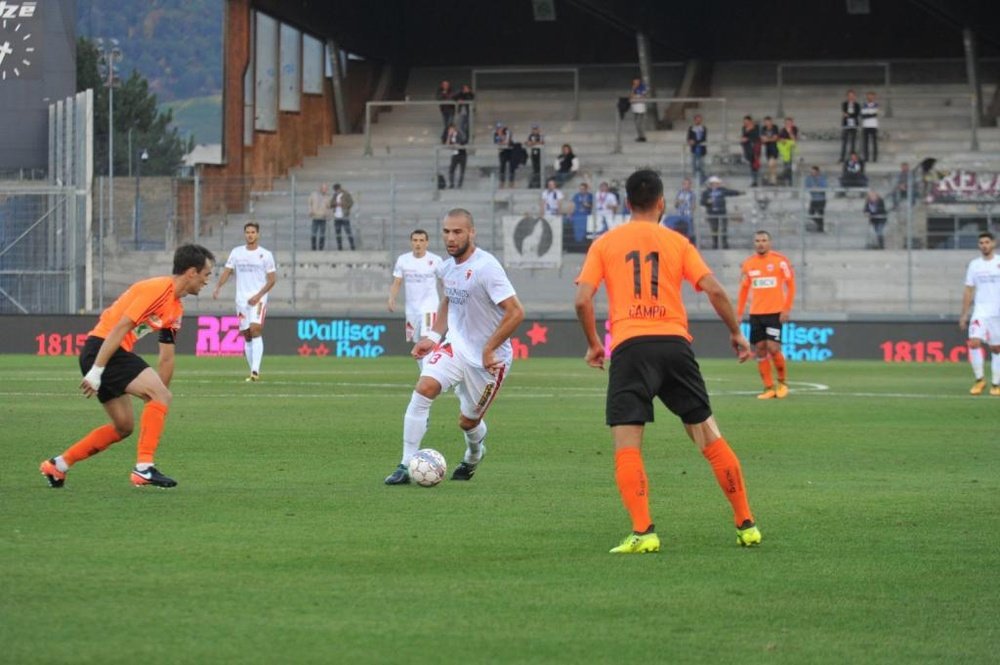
(465, 94)
(788, 149)
(713, 199)
(503, 140)
(552, 198)
(853, 173)
(583, 205)
(444, 94)
(869, 127)
(319, 210)
(342, 203)
(638, 93)
(697, 138)
(607, 206)
(769, 146)
(876, 214)
(905, 189)
(750, 141)
(850, 115)
(459, 157)
(816, 186)
(566, 165)
(534, 144)
(682, 219)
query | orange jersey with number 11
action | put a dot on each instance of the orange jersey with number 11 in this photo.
(642, 265)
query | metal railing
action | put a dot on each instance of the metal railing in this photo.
(471, 103)
(711, 100)
(490, 165)
(886, 67)
(575, 71)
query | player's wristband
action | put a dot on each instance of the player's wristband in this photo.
(433, 336)
(93, 377)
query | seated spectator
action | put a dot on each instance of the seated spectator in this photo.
(566, 165)
(853, 174)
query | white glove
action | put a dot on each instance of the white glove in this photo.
(93, 377)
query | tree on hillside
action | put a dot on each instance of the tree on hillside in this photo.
(135, 109)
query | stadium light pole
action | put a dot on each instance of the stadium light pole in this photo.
(109, 54)
(136, 215)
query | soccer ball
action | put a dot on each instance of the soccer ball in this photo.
(427, 467)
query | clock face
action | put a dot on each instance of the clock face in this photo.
(18, 58)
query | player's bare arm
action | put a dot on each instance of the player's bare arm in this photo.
(393, 292)
(223, 278)
(432, 337)
(92, 381)
(724, 308)
(585, 313)
(513, 315)
(268, 285)
(165, 363)
(967, 296)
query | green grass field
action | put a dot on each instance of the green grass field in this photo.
(877, 489)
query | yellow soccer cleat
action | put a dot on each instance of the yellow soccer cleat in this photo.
(253, 378)
(638, 544)
(767, 394)
(748, 535)
(781, 391)
(995, 391)
(978, 387)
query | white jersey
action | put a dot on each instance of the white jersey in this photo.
(473, 289)
(984, 275)
(420, 278)
(251, 267)
(551, 198)
(606, 203)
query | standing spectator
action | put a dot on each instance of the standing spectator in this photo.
(788, 147)
(682, 220)
(551, 199)
(750, 141)
(459, 157)
(903, 192)
(869, 127)
(342, 204)
(464, 95)
(583, 205)
(534, 143)
(319, 209)
(503, 140)
(853, 173)
(769, 143)
(697, 138)
(445, 94)
(875, 212)
(566, 165)
(816, 185)
(850, 112)
(607, 206)
(713, 200)
(637, 97)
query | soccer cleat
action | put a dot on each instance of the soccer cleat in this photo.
(995, 391)
(747, 534)
(635, 543)
(401, 476)
(465, 471)
(253, 378)
(781, 391)
(151, 477)
(767, 394)
(53, 475)
(978, 387)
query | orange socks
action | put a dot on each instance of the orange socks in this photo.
(90, 445)
(150, 429)
(778, 359)
(630, 474)
(727, 470)
(764, 367)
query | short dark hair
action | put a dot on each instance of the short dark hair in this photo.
(253, 224)
(419, 232)
(191, 256)
(762, 232)
(644, 188)
(987, 234)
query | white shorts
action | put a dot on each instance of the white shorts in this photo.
(417, 326)
(475, 387)
(249, 315)
(986, 329)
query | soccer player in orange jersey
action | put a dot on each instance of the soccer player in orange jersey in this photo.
(113, 372)
(642, 265)
(768, 279)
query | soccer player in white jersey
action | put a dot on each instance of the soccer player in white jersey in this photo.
(255, 276)
(417, 269)
(982, 284)
(467, 349)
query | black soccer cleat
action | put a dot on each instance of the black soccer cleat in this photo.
(151, 477)
(401, 476)
(464, 471)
